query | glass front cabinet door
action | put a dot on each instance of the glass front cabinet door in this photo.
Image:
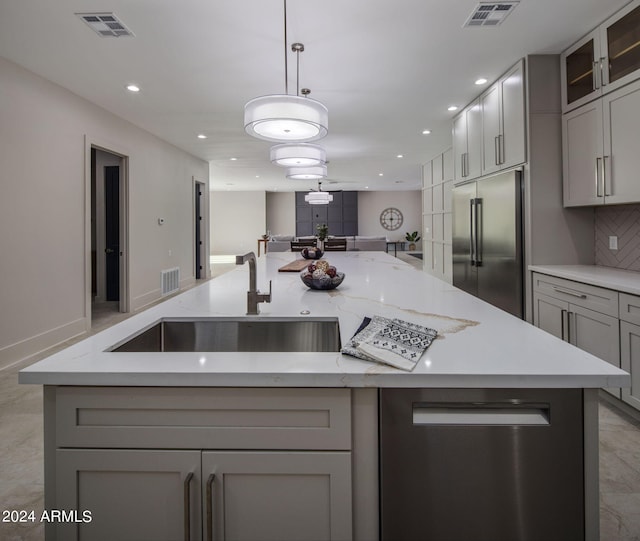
(604, 60)
(581, 75)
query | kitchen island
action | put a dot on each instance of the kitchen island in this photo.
(202, 417)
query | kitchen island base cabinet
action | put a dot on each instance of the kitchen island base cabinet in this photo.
(255, 496)
(201, 463)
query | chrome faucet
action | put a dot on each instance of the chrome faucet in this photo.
(254, 297)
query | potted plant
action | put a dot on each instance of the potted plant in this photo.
(412, 238)
(323, 231)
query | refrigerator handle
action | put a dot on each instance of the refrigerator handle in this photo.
(478, 232)
(472, 225)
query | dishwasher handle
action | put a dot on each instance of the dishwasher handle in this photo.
(480, 415)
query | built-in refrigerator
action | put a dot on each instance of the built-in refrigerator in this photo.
(487, 240)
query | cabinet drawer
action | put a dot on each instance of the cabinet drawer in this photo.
(595, 298)
(196, 418)
(630, 308)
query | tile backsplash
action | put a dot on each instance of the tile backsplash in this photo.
(623, 222)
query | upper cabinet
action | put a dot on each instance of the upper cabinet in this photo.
(600, 141)
(467, 142)
(503, 124)
(489, 134)
(604, 60)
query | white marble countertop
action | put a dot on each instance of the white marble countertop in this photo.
(478, 345)
(618, 279)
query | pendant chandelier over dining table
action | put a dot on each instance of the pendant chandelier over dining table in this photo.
(283, 117)
(318, 197)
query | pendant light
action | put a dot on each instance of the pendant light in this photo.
(307, 173)
(319, 197)
(298, 155)
(285, 118)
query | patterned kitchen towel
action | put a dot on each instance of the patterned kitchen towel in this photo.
(391, 341)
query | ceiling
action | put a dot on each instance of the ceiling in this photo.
(386, 70)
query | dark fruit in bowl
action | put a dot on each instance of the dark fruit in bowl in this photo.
(311, 253)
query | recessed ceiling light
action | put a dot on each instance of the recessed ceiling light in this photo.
(400, 156)
(133, 88)
(366, 187)
(234, 159)
(426, 132)
(257, 176)
(481, 81)
(202, 136)
(452, 108)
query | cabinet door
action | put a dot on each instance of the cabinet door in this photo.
(272, 496)
(427, 175)
(597, 334)
(582, 142)
(620, 40)
(512, 144)
(630, 361)
(621, 135)
(447, 164)
(460, 145)
(491, 129)
(131, 494)
(549, 314)
(581, 72)
(473, 159)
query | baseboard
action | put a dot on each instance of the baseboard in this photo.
(36, 345)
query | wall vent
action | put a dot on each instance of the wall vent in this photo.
(106, 25)
(169, 281)
(490, 13)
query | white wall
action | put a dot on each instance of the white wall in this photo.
(238, 220)
(371, 204)
(281, 213)
(43, 229)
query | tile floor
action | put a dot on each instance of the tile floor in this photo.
(21, 455)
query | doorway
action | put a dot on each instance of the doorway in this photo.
(199, 209)
(108, 295)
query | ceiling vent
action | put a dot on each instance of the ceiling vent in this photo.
(106, 25)
(490, 13)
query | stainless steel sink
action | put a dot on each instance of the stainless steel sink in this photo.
(236, 334)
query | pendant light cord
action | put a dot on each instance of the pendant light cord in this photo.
(286, 70)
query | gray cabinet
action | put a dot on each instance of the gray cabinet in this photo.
(288, 496)
(340, 215)
(583, 315)
(503, 122)
(600, 156)
(630, 346)
(172, 463)
(604, 60)
(467, 142)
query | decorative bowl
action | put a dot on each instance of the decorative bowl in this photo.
(311, 253)
(325, 282)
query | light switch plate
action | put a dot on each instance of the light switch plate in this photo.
(613, 242)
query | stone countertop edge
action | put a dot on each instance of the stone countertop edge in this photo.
(478, 345)
(626, 281)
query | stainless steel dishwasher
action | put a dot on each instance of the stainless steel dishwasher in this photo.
(481, 465)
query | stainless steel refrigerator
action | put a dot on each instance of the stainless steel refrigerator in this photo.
(487, 240)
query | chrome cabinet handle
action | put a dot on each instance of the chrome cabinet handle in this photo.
(563, 315)
(606, 179)
(501, 148)
(462, 165)
(466, 164)
(496, 151)
(210, 507)
(187, 507)
(598, 191)
(569, 326)
(594, 79)
(578, 295)
(603, 72)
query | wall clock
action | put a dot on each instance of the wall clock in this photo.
(391, 218)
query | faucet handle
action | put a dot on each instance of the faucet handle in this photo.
(266, 297)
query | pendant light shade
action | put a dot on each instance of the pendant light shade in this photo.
(319, 197)
(281, 117)
(307, 173)
(298, 155)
